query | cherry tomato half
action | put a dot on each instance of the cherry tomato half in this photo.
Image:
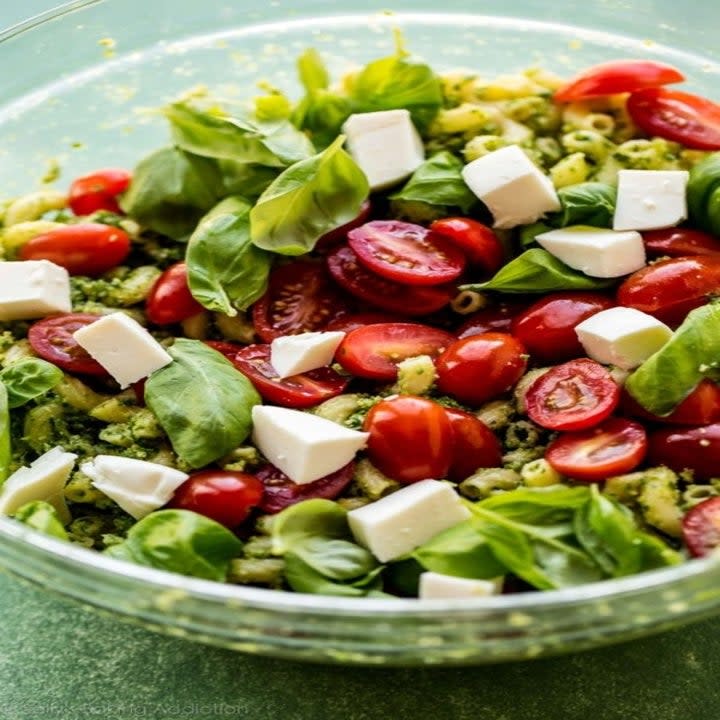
(617, 446)
(478, 242)
(411, 438)
(547, 328)
(170, 300)
(346, 323)
(680, 242)
(474, 445)
(296, 391)
(339, 234)
(573, 396)
(670, 289)
(494, 318)
(687, 448)
(700, 407)
(381, 292)
(98, 191)
(617, 76)
(228, 349)
(221, 495)
(480, 367)
(82, 249)
(52, 339)
(701, 527)
(406, 253)
(373, 351)
(300, 298)
(681, 117)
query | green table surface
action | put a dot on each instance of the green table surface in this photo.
(61, 661)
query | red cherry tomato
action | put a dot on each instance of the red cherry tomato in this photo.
(98, 191)
(170, 300)
(228, 349)
(224, 496)
(480, 367)
(680, 242)
(617, 76)
(346, 323)
(681, 117)
(547, 328)
(670, 289)
(700, 407)
(339, 234)
(474, 445)
(494, 318)
(373, 351)
(574, 396)
(82, 249)
(701, 527)
(52, 340)
(687, 448)
(617, 446)
(411, 438)
(296, 391)
(300, 298)
(281, 491)
(406, 253)
(477, 241)
(383, 293)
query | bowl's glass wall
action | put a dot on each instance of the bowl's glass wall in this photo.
(82, 92)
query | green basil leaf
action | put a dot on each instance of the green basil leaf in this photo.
(171, 190)
(703, 194)
(336, 559)
(226, 272)
(538, 506)
(312, 71)
(438, 181)
(528, 233)
(307, 519)
(246, 179)
(5, 446)
(180, 541)
(307, 200)
(537, 271)
(301, 577)
(322, 113)
(202, 402)
(588, 203)
(28, 379)
(43, 517)
(666, 378)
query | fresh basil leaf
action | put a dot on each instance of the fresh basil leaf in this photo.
(312, 71)
(538, 506)
(322, 113)
(666, 378)
(307, 200)
(566, 566)
(703, 194)
(246, 179)
(171, 190)
(43, 517)
(438, 181)
(303, 578)
(226, 272)
(216, 134)
(5, 446)
(29, 378)
(588, 203)
(180, 541)
(528, 233)
(336, 559)
(307, 519)
(202, 402)
(537, 271)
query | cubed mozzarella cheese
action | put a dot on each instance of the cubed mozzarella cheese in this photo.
(305, 447)
(515, 191)
(622, 336)
(400, 522)
(434, 586)
(650, 199)
(385, 145)
(294, 354)
(595, 251)
(123, 347)
(137, 486)
(43, 480)
(32, 289)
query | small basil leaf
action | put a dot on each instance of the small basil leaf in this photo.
(303, 578)
(202, 402)
(322, 113)
(246, 179)
(226, 272)
(43, 517)
(538, 506)
(309, 518)
(28, 379)
(312, 71)
(703, 194)
(528, 233)
(588, 203)
(336, 559)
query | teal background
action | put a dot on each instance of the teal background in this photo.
(61, 661)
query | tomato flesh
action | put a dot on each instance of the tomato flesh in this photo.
(478, 242)
(374, 351)
(680, 242)
(494, 318)
(687, 448)
(474, 445)
(700, 407)
(170, 300)
(346, 323)
(617, 446)
(701, 527)
(98, 191)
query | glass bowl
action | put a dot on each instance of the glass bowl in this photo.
(91, 74)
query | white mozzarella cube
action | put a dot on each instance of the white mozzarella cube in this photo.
(435, 586)
(622, 336)
(305, 447)
(137, 486)
(32, 289)
(515, 191)
(123, 347)
(399, 523)
(595, 251)
(385, 145)
(650, 199)
(44, 480)
(294, 354)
